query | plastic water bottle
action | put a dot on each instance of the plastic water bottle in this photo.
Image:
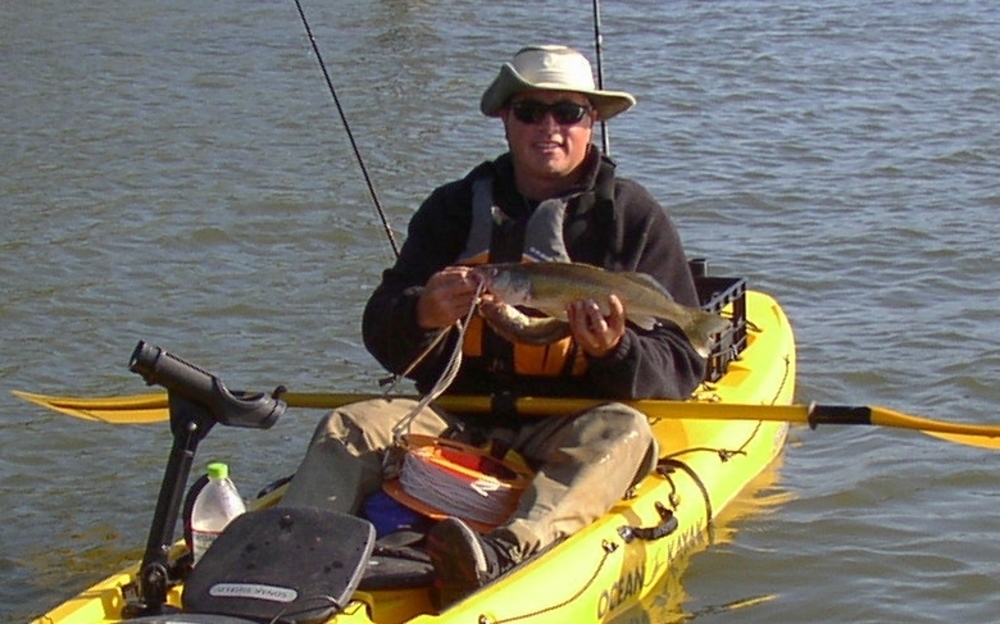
(216, 505)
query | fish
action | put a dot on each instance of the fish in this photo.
(550, 286)
(516, 326)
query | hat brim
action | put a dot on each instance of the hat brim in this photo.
(509, 83)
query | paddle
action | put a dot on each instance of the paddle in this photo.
(152, 407)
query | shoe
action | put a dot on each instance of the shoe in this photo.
(464, 561)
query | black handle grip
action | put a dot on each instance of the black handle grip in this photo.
(157, 367)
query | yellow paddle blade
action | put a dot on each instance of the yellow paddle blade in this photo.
(152, 408)
(986, 442)
(121, 410)
(982, 436)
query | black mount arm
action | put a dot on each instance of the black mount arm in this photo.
(197, 400)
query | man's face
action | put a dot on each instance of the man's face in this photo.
(548, 132)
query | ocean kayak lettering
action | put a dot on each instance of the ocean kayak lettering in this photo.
(627, 585)
(630, 584)
(254, 591)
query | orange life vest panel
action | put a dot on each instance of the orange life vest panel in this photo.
(543, 242)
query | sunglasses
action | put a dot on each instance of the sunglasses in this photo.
(564, 112)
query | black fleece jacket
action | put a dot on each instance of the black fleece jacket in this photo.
(611, 222)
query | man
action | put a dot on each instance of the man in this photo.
(552, 197)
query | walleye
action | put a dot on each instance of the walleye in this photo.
(550, 286)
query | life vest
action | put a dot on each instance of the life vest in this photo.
(543, 242)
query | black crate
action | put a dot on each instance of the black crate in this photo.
(715, 293)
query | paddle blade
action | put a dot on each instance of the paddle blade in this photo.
(969, 440)
(153, 407)
(136, 409)
(971, 434)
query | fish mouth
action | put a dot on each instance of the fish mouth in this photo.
(484, 276)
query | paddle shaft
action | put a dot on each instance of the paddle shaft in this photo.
(152, 407)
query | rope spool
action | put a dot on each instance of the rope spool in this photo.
(441, 478)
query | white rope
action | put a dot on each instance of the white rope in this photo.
(486, 500)
(448, 375)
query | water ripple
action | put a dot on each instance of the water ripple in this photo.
(181, 176)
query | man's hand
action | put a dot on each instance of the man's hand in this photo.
(447, 297)
(597, 335)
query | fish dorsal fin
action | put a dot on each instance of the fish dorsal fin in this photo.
(644, 279)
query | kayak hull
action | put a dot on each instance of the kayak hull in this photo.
(606, 570)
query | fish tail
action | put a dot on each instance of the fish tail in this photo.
(703, 328)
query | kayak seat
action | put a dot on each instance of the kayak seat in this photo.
(281, 563)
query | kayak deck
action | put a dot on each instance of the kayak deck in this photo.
(607, 568)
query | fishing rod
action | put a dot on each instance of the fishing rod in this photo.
(598, 44)
(347, 128)
(605, 139)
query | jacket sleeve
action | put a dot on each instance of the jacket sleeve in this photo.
(436, 234)
(660, 363)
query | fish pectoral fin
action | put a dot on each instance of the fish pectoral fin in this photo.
(647, 281)
(645, 322)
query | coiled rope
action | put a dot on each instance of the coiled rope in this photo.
(441, 477)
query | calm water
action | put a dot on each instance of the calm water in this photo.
(178, 173)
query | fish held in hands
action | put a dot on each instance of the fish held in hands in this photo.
(551, 286)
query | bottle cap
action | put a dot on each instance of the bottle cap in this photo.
(218, 470)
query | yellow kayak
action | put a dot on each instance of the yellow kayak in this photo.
(606, 570)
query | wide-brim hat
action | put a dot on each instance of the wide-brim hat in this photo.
(551, 68)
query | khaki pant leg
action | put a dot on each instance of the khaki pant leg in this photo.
(343, 464)
(588, 462)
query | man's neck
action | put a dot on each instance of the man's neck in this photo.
(536, 190)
